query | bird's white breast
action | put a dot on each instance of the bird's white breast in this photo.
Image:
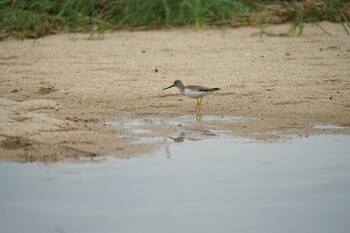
(193, 93)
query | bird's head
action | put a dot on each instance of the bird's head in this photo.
(177, 84)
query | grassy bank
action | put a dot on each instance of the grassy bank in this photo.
(36, 18)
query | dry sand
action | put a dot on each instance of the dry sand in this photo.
(57, 92)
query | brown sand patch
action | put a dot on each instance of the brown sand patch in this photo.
(13, 143)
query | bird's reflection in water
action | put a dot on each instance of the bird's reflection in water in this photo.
(182, 136)
(193, 135)
(190, 135)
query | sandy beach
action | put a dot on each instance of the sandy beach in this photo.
(58, 93)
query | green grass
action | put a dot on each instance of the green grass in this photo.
(36, 18)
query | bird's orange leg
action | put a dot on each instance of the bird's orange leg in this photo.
(197, 106)
(200, 104)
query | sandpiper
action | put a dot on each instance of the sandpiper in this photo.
(193, 91)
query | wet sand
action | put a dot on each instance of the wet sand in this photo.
(57, 92)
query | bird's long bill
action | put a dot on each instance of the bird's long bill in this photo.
(168, 87)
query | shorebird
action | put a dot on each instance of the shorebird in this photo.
(193, 91)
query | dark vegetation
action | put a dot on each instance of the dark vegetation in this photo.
(36, 18)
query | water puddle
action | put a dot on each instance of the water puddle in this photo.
(183, 128)
(141, 125)
(212, 184)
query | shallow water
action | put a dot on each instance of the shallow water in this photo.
(323, 126)
(140, 125)
(143, 129)
(218, 184)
